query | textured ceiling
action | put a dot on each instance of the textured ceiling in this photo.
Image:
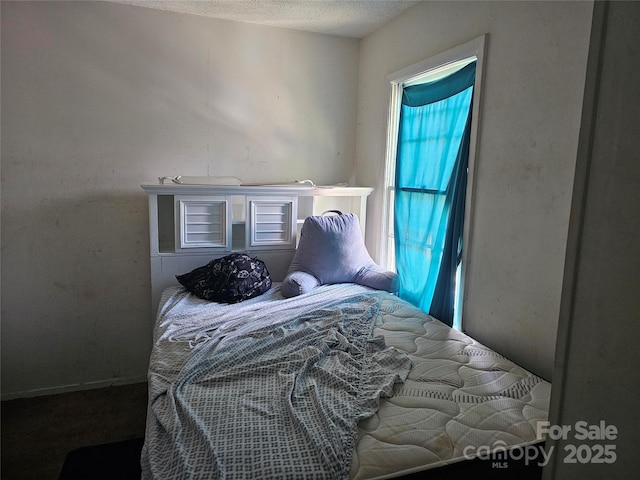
(347, 18)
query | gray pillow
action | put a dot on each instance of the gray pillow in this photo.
(331, 250)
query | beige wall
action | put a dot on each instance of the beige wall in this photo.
(532, 99)
(99, 98)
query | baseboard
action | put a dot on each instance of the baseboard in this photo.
(110, 382)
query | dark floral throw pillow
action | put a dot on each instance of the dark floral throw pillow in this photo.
(230, 279)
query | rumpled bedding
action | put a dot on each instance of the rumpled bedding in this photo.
(458, 397)
(253, 391)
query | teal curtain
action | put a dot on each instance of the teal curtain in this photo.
(430, 187)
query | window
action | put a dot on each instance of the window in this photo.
(429, 191)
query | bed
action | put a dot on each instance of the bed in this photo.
(341, 382)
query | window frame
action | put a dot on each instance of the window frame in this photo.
(432, 68)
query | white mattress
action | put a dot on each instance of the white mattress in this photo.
(458, 396)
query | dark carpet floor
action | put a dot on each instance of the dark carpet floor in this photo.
(38, 433)
(111, 461)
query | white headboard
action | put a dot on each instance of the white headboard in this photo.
(190, 225)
